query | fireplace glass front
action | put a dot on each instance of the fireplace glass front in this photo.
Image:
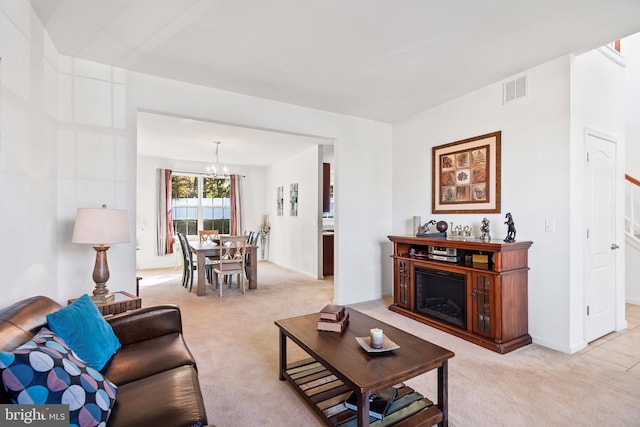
(441, 295)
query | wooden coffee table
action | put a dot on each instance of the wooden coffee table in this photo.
(348, 367)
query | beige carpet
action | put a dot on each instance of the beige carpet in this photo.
(235, 343)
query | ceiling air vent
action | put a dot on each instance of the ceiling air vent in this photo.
(515, 89)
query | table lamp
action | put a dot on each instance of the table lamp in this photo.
(101, 227)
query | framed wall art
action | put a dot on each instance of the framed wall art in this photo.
(466, 175)
(280, 201)
(293, 199)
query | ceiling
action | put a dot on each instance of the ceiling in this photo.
(379, 59)
(179, 138)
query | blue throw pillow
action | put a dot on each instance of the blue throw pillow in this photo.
(84, 329)
(46, 371)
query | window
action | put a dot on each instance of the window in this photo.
(200, 203)
(216, 204)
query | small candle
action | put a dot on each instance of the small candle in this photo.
(376, 338)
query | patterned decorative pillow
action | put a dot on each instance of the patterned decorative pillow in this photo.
(45, 370)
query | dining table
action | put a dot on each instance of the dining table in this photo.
(202, 250)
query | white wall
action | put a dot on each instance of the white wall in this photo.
(597, 105)
(253, 203)
(630, 48)
(96, 165)
(535, 180)
(294, 239)
(28, 155)
(62, 147)
(632, 273)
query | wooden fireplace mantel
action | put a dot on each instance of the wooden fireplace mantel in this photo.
(496, 292)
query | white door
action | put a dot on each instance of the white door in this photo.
(601, 246)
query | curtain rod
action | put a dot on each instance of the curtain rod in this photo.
(200, 173)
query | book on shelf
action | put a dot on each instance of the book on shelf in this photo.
(332, 312)
(334, 325)
(378, 403)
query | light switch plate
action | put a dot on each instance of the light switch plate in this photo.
(549, 225)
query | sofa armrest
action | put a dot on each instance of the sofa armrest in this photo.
(146, 323)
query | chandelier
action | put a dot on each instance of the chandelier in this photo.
(215, 171)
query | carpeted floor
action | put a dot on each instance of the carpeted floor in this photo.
(235, 343)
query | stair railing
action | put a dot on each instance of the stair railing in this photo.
(632, 215)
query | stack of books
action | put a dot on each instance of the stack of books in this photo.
(392, 405)
(379, 403)
(333, 318)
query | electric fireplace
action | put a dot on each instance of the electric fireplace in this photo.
(484, 303)
(441, 295)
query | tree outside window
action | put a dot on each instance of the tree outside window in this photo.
(200, 203)
(216, 204)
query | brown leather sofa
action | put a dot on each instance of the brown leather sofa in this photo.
(154, 370)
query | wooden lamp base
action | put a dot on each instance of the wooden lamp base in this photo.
(101, 293)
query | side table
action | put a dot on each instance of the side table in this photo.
(123, 301)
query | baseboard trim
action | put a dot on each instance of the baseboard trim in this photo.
(561, 348)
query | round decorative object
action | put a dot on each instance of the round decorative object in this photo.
(442, 226)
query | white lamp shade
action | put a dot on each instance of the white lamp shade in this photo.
(101, 226)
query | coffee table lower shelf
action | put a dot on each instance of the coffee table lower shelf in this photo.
(324, 392)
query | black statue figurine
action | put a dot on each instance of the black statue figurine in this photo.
(511, 229)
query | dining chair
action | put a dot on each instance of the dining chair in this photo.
(209, 236)
(185, 261)
(252, 240)
(205, 235)
(231, 259)
(192, 265)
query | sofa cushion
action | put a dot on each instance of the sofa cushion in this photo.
(46, 371)
(84, 329)
(148, 357)
(169, 398)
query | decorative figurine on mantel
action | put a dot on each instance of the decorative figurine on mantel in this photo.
(424, 229)
(442, 226)
(441, 229)
(511, 229)
(456, 231)
(484, 229)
